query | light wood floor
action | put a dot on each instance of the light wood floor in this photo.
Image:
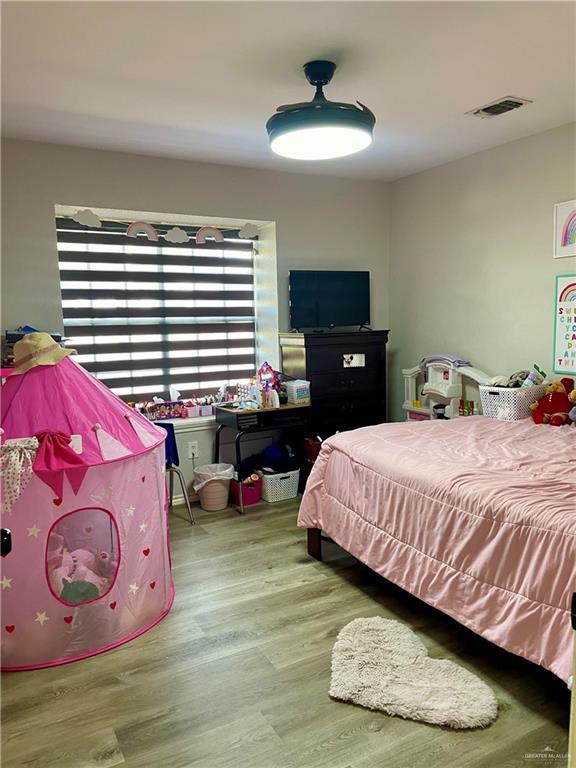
(237, 675)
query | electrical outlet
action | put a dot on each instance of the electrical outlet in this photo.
(193, 450)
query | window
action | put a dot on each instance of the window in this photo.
(146, 315)
(82, 556)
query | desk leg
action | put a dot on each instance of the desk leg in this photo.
(239, 437)
(217, 444)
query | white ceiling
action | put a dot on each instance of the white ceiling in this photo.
(198, 80)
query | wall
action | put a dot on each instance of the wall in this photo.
(320, 222)
(472, 271)
(471, 264)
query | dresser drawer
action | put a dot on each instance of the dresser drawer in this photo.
(346, 382)
(332, 358)
(330, 415)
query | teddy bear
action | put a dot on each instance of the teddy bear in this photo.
(556, 404)
(572, 398)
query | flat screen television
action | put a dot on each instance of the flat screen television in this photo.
(325, 299)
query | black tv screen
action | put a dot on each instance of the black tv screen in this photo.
(323, 298)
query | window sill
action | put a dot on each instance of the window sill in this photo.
(190, 425)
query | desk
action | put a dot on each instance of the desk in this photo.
(245, 422)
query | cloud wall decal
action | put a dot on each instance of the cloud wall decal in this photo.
(87, 218)
(176, 235)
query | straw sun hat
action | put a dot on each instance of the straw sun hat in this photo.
(37, 349)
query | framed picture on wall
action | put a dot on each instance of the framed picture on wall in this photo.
(565, 325)
(565, 229)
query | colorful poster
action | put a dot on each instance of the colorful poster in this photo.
(565, 229)
(565, 325)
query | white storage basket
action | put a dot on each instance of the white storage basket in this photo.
(509, 404)
(281, 486)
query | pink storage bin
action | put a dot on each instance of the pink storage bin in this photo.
(250, 494)
(206, 410)
(193, 411)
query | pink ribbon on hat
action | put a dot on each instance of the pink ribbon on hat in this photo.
(54, 458)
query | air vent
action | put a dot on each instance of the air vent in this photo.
(500, 107)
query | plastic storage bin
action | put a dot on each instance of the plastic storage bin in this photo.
(298, 391)
(281, 486)
(250, 493)
(509, 404)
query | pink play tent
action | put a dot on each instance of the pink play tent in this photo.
(84, 497)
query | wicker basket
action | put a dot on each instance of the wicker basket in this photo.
(214, 495)
(280, 487)
(509, 404)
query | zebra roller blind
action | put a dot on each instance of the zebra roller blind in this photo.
(145, 315)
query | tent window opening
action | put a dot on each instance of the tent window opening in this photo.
(82, 556)
(146, 315)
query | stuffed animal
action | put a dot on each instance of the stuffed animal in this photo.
(55, 551)
(106, 564)
(75, 566)
(572, 398)
(78, 592)
(556, 404)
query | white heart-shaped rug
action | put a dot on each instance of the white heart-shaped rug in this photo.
(381, 664)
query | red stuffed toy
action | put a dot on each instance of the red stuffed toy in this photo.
(553, 408)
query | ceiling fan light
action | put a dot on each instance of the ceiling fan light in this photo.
(324, 142)
(320, 129)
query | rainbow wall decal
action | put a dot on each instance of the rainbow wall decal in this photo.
(205, 232)
(569, 229)
(568, 293)
(142, 228)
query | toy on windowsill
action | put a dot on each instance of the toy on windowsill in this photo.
(166, 410)
(555, 406)
(267, 376)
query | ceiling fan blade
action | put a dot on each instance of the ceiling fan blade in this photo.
(298, 105)
(367, 110)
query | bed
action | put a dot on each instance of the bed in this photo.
(475, 516)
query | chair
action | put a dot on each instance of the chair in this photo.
(172, 464)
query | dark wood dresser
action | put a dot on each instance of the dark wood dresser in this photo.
(347, 375)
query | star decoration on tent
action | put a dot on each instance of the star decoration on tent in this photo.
(34, 531)
(105, 492)
(41, 617)
(143, 527)
(133, 588)
(130, 510)
(6, 583)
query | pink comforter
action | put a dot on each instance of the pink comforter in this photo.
(475, 516)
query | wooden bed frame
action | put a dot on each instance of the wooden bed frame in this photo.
(314, 542)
